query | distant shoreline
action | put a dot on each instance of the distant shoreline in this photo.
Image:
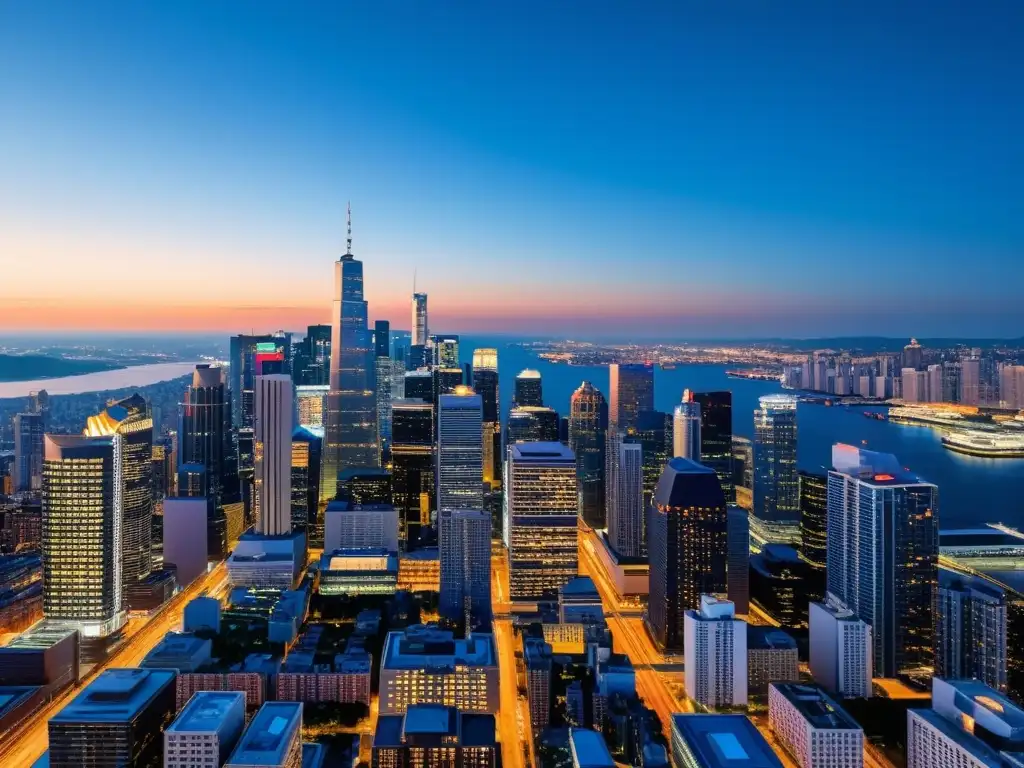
(15, 368)
(98, 381)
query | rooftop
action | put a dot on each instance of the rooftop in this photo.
(266, 740)
(725, 741)
(872, 467)
(117, 695)
(40, 637)
(427, 646)
(972, 695)
(542, 452)
(431, 718)
(983, 753)
(768, 638)
(528, 373)
(177, 644)
(580, 587)
(589, 749)
(816, 707)
(206, 711)
(685, 483)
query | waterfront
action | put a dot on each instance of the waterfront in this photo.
(132, 376)
(971, 490)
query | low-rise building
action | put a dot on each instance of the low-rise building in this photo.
(205, 731)
(426, 665)
(588, 749)
(434, 735)
(178, 650)
(772, 657)
(48, 656)
(202, 613)
(358, 572)
(347, 680)
(813, 727)
(273, 738)
(719, 741)
(579, 602)
(253, 677)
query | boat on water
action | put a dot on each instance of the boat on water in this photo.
(877, 415)
(990, 445)
(757, 374)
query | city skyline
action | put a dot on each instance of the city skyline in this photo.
(757, 172)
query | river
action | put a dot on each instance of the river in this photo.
(971, 490)
(132, 376)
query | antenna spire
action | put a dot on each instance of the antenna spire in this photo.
(414, 280)
(349, 241)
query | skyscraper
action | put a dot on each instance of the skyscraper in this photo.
(540, 525)
(532, 424)
(654, 431)
(465, 552)
(381, 338)
(588, 426)
(485, 384)
(716, 654)
(445, 351)
(716, 437)
(737, 569)
(243, 370)
(28, 452)
(412, 465)
(686, 441)
(130, 418)
(311, 364)
(813, 518)
(307, 446)
(776, 483)
(460, 451)
(913, 356)
(971, 630)
(625, 496)
(528, 389)
(631, 390)
(882, 559)
(419, 320)
(351, 435)
(274, 454)
(687, 546)
(81, 532)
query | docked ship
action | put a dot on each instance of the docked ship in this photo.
(758, 374)
(990, 445)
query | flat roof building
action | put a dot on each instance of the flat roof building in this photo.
(116, 720)
(273, 738)
(358, 572)
(209, 724)
(719, 741)
(178, 650)
(813, 727)
(589, 749)
(436, 735)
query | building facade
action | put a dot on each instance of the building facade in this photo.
(625, 496)
(686, 428)
(715, 645)
(776, 483)
(465, 550)
(588, 425)
(716, 437)
(631, 391)
(460, 451)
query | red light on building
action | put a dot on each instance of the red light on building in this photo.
(883, 478)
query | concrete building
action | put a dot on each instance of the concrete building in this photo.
(185, 536)
(971, 630)
(772, 657)
(841, 650)
(686, 420)
(882, 554)
(427, 665)
(579, 602)
(432, 736)
(27, 470)
(716, 654)
(274, 403)
(719, 741)
(180, 651)
(969, 724)
(114, 721)
(202, 613)
(273, 738)
(356, 572)
(347, 680)
(540, 518)
(465, 551)
(1011, 386)
(205, 731)
(813, 727)
(588, 749)
(360, 526)
(538, 665)
(48, 657)
(460, 454)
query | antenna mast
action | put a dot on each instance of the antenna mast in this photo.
(349, 241)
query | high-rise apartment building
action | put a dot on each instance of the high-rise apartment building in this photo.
(716, 437)
(1011, 386)
(130, 418)
(445, 351)
(813, 727)
(971, 630)
(412, 465)
(420, 330)
(687, 546)
(631, 390)
(528, 389)
(540, 518)
(83, 514)
(273, 738)
(206, 730)
(485, 384)
(882, 559)
(625, 494)
(841, 650)
(913, 356)
(715, 646)
(776, 483)
(351, 434)
(686, 424)
(27, 471)
(460, 450)
(273, 413)
(465, 550)
(588, 425)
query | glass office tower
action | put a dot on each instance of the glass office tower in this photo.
(588, 426)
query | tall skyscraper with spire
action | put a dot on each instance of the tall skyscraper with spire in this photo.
(351, 435)
(420, 330)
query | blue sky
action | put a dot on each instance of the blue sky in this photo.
(698, 168)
